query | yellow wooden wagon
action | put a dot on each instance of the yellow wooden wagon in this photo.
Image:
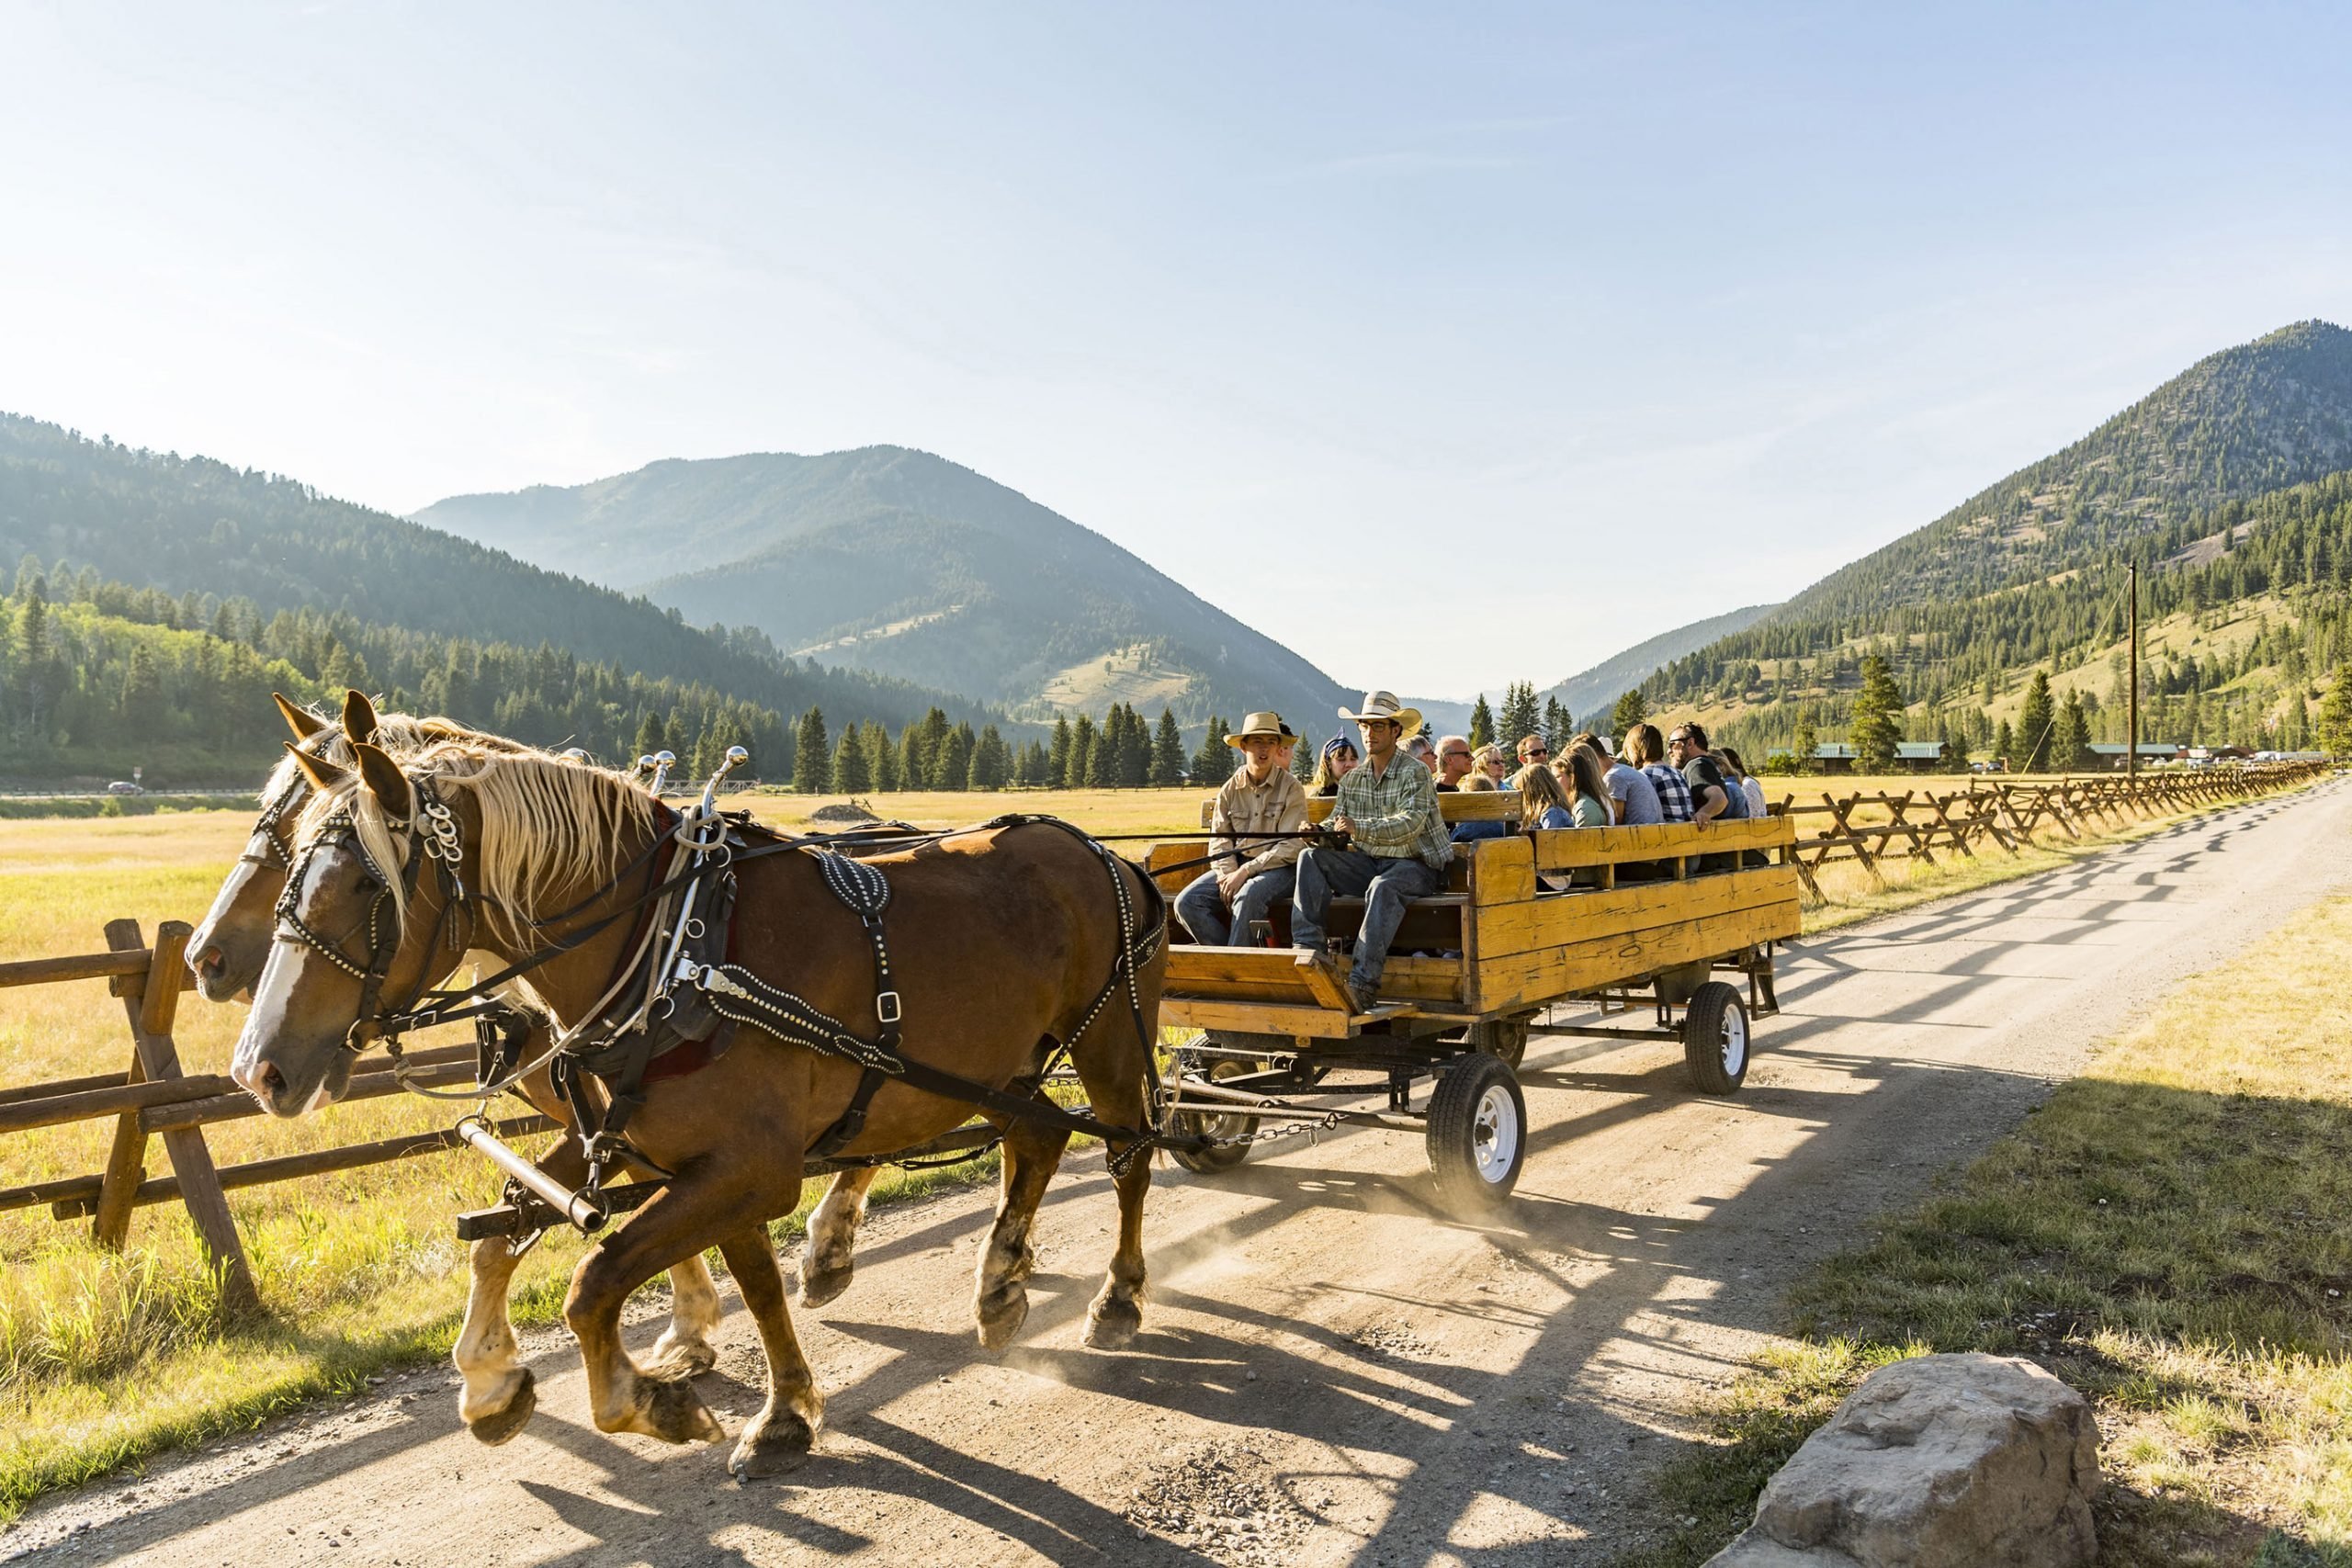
(1659, 918)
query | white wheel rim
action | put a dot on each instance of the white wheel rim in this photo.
(1494, 1134)
(1735, 1041)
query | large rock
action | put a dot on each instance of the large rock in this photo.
(1942, 1462)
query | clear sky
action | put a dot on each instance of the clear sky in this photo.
(1450, 344)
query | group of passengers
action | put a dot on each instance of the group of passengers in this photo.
(1387, 839)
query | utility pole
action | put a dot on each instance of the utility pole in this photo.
(2131, 741)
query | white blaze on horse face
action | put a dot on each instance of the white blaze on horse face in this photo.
(259, 857)
(287, 1000)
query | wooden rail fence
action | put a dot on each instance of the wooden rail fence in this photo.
(151, 1096)
(1959, 822)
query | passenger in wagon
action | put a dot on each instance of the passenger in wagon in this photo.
(1453, 762)
(1492, 765)
(1588, 787)
(1399, 849)
(1749, 785)
(1632, 798)
(1541, 801)
(1645, 749)
(1248, 868)
(1336, 760)
(1470, 832)
(1533, 748)
(1713, 797)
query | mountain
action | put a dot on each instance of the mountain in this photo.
(908, 564)
(1589, 693)
(2226, 486)
(188, 544)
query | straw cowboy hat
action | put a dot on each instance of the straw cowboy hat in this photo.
(1265, 726)
(1384, 705)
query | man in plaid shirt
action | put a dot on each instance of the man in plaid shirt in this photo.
(1646, 751)
(1388, 808)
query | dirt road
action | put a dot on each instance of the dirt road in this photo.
(1327, 1373)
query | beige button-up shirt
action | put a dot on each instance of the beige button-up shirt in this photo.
(1278, 805)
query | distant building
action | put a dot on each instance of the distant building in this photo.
(1918, 756)
(2109, 753)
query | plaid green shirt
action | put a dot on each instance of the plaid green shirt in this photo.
(1396, 815)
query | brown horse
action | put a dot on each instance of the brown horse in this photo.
(1000, 942)
(227, 952)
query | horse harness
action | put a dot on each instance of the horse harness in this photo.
(678, 998)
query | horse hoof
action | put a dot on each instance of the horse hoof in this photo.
(675, 1413)
(1001, 1315)
(818, 1286)
(500, 1425)
(674, 1358)
(1114, 1324)
(771, 1446)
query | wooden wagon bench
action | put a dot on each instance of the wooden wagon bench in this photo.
(1273, 1025)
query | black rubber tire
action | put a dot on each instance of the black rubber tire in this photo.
(1186, 1124)
(1476, 1135)
(1504, 1039)
(1716, 1043)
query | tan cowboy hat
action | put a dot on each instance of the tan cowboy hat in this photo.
(1384, 705)
(1267, 726)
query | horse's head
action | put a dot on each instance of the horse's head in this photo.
(397, 871)
(364, 923)
(227, 952)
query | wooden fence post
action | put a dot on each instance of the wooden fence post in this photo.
(151, 1001)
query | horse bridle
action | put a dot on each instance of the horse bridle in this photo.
(432, 835)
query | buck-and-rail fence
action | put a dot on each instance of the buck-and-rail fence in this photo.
(154, 1098)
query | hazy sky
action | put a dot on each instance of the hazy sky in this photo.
(1450, 345)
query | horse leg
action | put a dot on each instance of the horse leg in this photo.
(1114, 1080)
(685, 1347)
(829, 1258)
(779, 1436)
(1032, 1154)
(498, 1397)
(679, 1221)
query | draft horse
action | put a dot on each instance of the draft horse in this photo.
(1000, 940)
(226, 954)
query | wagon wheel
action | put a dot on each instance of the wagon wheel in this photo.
(1477, 1135)
(1714, 1039)
(1505, 1039)
(1217, 1158)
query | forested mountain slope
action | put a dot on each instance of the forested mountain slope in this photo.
(1592, 690)
(903, 563)
(2225, 487)
(204, 533)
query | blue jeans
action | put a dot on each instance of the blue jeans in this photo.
(1325, 873)
(1202, 908)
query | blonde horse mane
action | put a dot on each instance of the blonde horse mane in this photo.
(549, 826)
(402, 734)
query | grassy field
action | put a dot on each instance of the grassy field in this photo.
(2170, 1234)
(104, 1358)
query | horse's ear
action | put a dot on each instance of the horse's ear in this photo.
(323, 776)
(385, 781)
(303, 724)
(358, 717)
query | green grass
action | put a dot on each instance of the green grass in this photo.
(2170, 1234)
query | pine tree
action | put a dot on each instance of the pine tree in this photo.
(1080, 756)
(950, 764)
(2005, 744)
(2036, 724)
(1808, 740)
(2334, 731)
(1557, 726)
(651, 736)
(1877, 717)
(1521, 715)
(811, 761)
(1167, 751)
(1058, 758)
(991, 763)
(1482, 723)
(1213, 763)
(2070, 740)
(881, 758)
(1631, 709)
(850, 776)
